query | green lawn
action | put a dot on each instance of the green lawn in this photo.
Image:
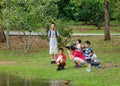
(36, 64)
(93, 30)
(78, 27)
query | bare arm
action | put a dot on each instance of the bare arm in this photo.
(63, 37)
(69, 53)
(48, 33)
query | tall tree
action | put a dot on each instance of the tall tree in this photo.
(107, 21)
(2, 35)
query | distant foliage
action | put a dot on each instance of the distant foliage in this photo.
(27, 14)
(89, 11)
(117, 11)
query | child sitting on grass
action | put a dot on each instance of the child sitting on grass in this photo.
(61, 59)
(94, 60)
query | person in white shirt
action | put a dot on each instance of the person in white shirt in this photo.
(79, 46)
(53, 43)
(94, 60)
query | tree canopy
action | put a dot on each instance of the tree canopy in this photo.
(27, 14)
(32, 14)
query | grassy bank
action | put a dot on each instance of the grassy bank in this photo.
(36, 64)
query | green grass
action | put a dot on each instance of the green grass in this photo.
(79, 28)
(94, 30)
(114, 22)
(36, 64)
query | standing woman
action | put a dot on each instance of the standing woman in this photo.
(53, 43)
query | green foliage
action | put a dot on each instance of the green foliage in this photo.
(27, 14)
(89, 11)
(65, 33)
(30, 14)
(117, 11)
(62, 7)
(64, 29)
(50, 11)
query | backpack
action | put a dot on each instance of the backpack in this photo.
(49, 35)
(56, 34)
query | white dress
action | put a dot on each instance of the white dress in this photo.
(53, 43)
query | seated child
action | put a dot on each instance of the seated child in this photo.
(60, 59)
(94, 60)
(77, 57)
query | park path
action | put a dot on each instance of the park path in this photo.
(14, 33)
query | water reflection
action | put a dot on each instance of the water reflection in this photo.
(8, 80)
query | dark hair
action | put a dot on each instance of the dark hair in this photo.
(91, 51)
(79, 40)
(52, 23)
(88, 42)
(61, 49)
(72, 47)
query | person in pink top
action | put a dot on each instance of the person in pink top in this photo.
(76, 56)
(61, 59)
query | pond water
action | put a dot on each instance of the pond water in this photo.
(8, 80)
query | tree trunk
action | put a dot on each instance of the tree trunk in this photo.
(107, 21)
(30, 42)
(8, 39)
(98, 26)
(27, 42)
(2, 36)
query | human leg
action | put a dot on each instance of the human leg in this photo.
(77, 62)
(60, 63)
(97, 65)
(53, 59)
(88, 65)
(63, 63)
(53, 52)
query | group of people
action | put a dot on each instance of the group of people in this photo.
(77, 52)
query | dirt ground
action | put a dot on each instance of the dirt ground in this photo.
(105, 66)
(16, 42)
(7, 62)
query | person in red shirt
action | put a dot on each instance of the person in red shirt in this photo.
(61, 59)
(76, 56)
